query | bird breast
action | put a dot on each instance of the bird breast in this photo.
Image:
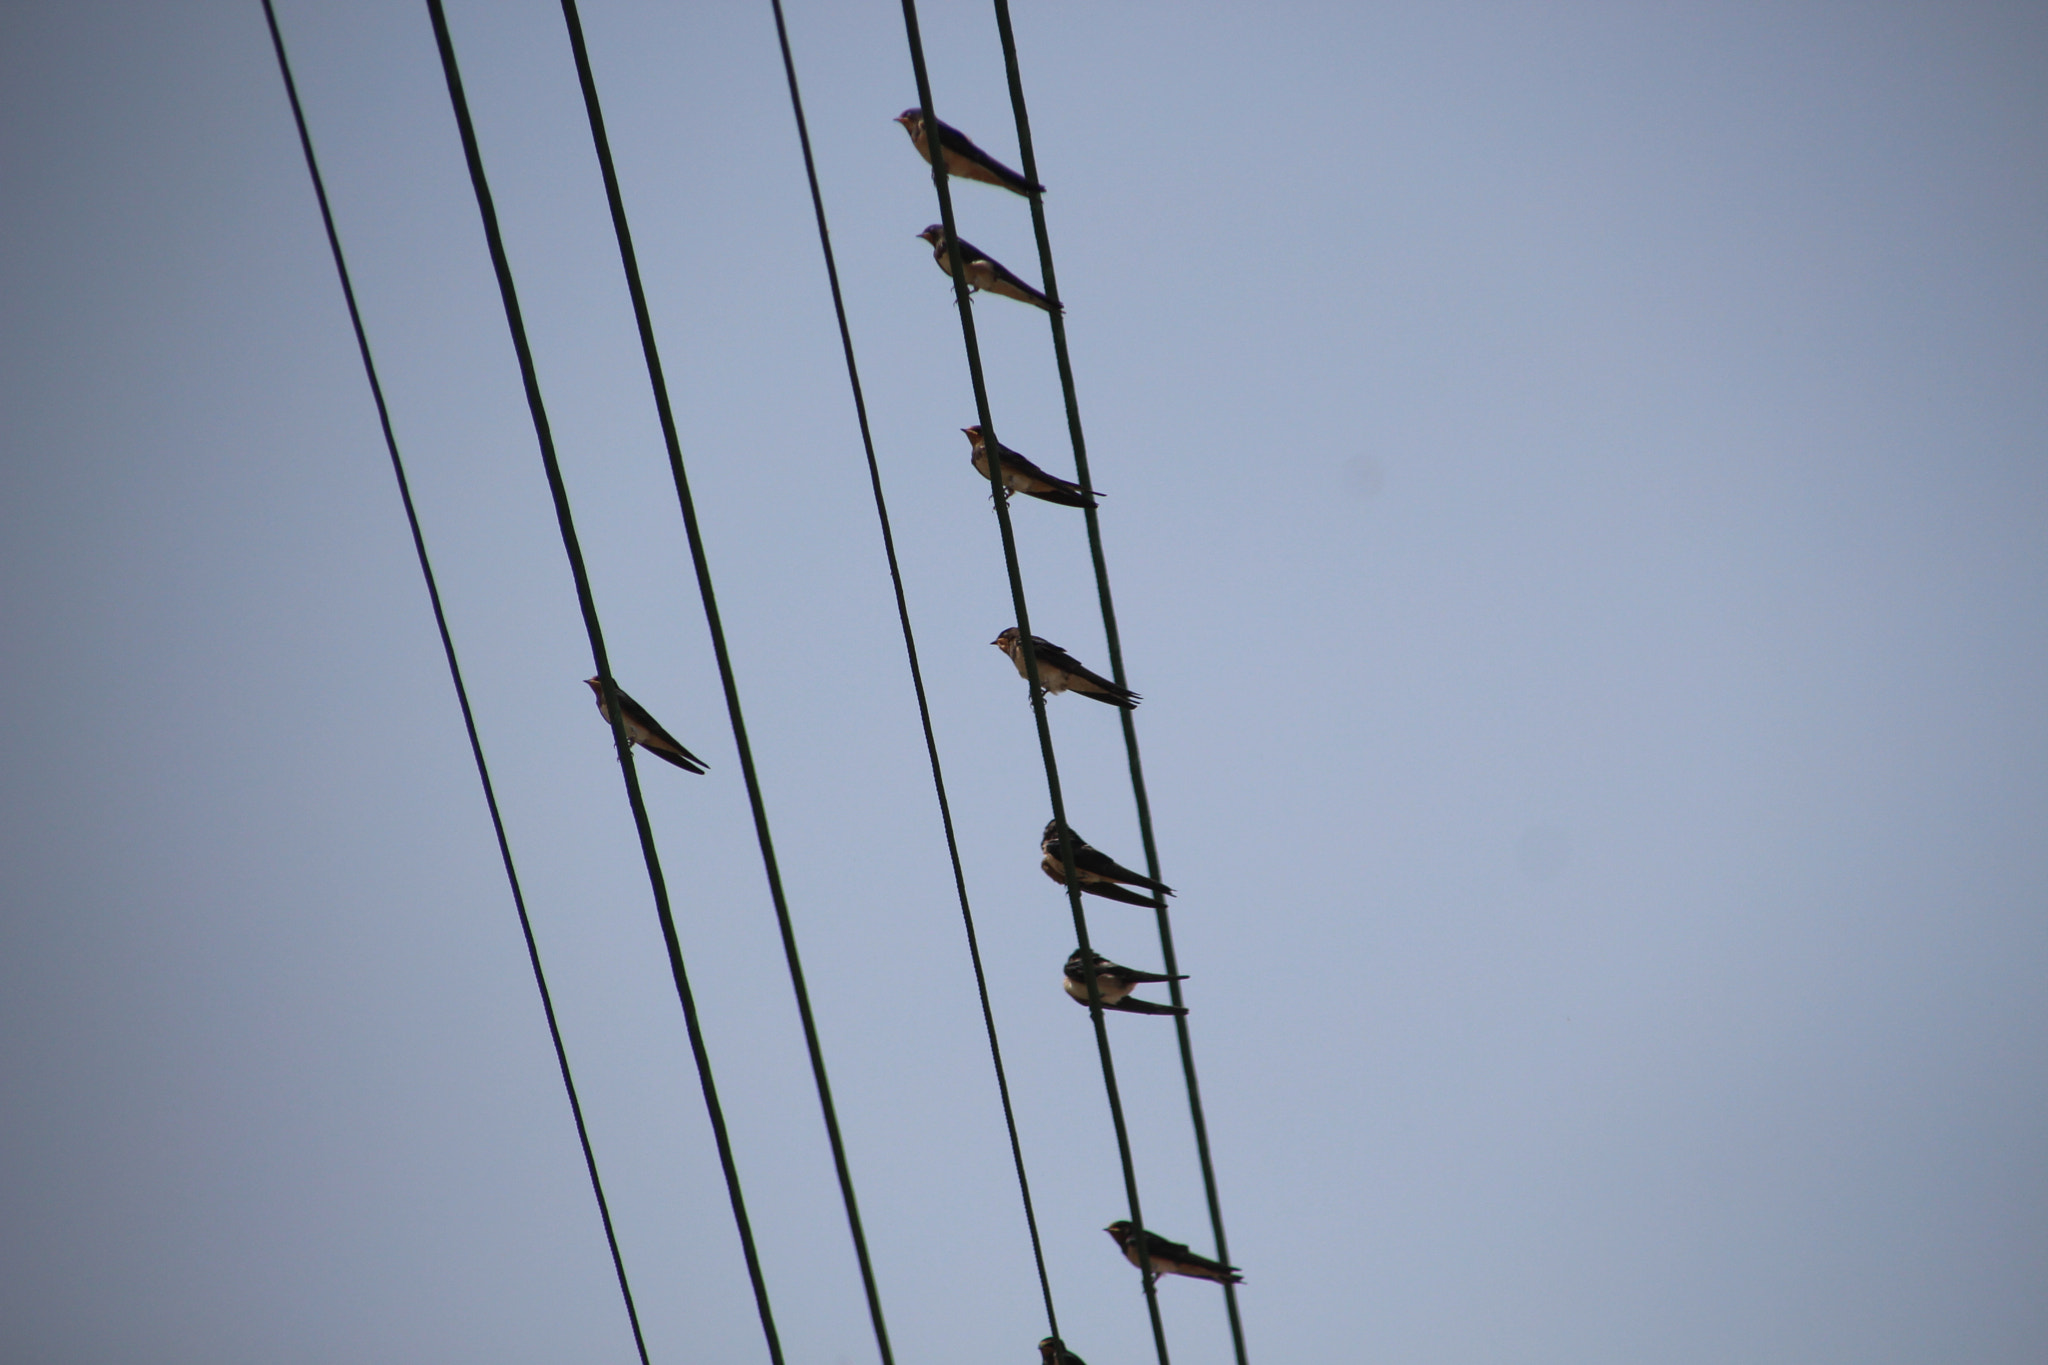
(1112, 990)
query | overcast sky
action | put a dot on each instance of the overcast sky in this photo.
(1575, 495)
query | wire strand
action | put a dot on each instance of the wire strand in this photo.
(1116, 663)
(476, 748)
(571, 547)
(993, 449)
(629, 260)
(924, 712)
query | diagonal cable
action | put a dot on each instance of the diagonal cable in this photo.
(544, 435)
(476, 748)
(630, 262)
(1116, 662)
(993, 448)
(924, 712)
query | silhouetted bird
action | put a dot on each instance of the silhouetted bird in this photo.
(1097, 872)
(645, 731)
(984, 272)
(1022, 476)
(1113, 984)
(1060, 671)
(1052, 1351)
(963, 158)
(1171, 1258)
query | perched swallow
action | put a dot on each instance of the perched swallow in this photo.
(1053, 1351)
(1097, 872)
(984, 273)
(963, 158)
(645, 731)
(1062, 672)
(1115, 985)
(1171, 1258)
(1022, 476)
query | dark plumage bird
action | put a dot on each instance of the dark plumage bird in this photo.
(1114, 984)
(983, 272)
(1022, 476)
(645, 731)
(963, 158)
(1060, 671)
(1171, 1258)
(1097, 872)
(1053, 1351)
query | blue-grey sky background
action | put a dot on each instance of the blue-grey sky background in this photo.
(1576, 501)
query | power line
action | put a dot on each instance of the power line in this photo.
(642, 315)
(924, 712)
(1116, 661)
(993, 447)
(543, 434)
(476, 748)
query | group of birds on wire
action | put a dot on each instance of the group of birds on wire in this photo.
(1095, 872)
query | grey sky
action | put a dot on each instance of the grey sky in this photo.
(1575, 497)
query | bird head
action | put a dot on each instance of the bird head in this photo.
(1120, 1230)
(596, 685)
(1007, 641)
(973, 436)
(911, 119)
(935, 234)
(1052, 829)
(1081, 958)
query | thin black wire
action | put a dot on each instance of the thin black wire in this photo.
(993, 447)
(1116, 660)
(515, 322)
(644, 317)
(924, 713)
(476, 748)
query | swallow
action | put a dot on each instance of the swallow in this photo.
(1097, 872)
(1053, 1351)
(1060, 671)
(963, 158)
(984, 273)
(645, 731)
(1115, 984)
(1170, 1258)
(1022, 476)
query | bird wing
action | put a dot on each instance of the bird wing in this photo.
(1111, 692)
(1163, 1251)
(1159, 1249)
(679, 756)
(1006, 275)
(1094, 860)
(1013, 463)
(658, 741)
(1054, 489)
(1111, 891)
(1050, 865)
(1132, 1005)
(1051, 654)
(957, 142)
(1061, 492)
